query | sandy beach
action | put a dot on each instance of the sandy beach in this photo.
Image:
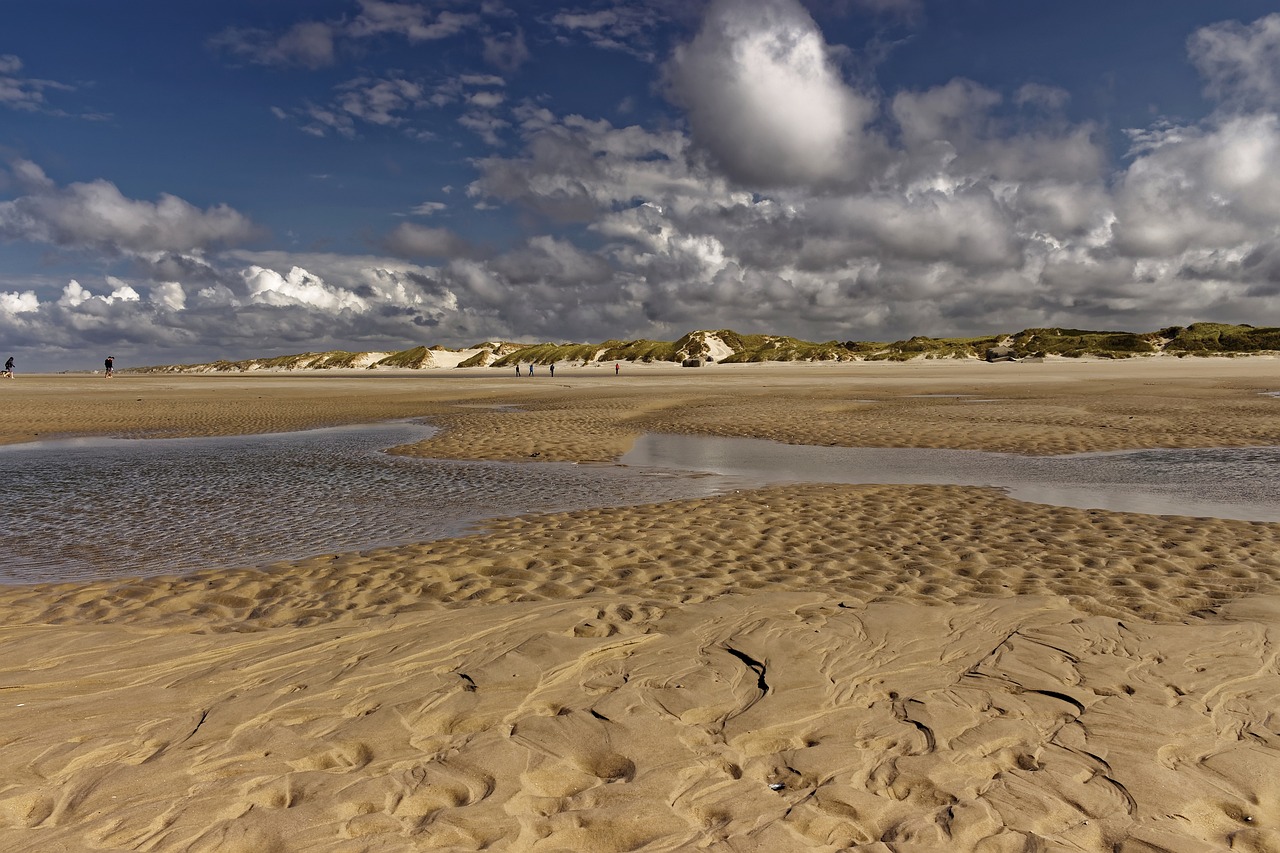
(799, 667)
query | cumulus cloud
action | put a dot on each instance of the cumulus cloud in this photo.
(1240, 62)
(75, 294)
(1198, 187)
(766, 100)
(170, 295)
(25, 302)
(96, 215)
(299, 287)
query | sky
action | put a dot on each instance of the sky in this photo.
(183, 182)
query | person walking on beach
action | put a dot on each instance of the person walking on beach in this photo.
(553, 370)
(8, 368)
(517, 370)
(110, 364)
(531, 368)
(616, 368)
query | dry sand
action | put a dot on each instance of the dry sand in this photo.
(879, 668)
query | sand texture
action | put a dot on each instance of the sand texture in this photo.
(869, 668)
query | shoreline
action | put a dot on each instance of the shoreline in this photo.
(902, 668)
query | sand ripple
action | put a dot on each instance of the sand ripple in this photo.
(770, 721)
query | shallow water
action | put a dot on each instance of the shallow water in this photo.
(92, 508)
(1238, 483)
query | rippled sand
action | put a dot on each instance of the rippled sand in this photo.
(911, 668)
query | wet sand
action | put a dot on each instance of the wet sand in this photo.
(794, 668)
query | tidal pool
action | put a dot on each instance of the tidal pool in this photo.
(92, 508)
(1238, 483)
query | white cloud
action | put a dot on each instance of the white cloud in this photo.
(97, 215)
(74, 294)
(766, 99)
(409, 20)
(122, 292)
(299, 287)
(379, 101)
(628, 28)
(1195, 188)
(1240, 62)
(573, 168)
(25, 93)
(485, 125)
(486, 100)
(25, 302)
(382, 102)
(170, 295)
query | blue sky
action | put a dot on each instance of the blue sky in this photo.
(183, 182)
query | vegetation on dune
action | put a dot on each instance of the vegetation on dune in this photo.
(480, 359)
(1219, 338)
(1074, 343)
(759, 348)
(338, 358)
(1196, 339)
(410, 358)
(548, 354)
(926, 347)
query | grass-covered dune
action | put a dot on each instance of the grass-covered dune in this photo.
(729, 347)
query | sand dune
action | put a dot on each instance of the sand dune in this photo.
(872, 668)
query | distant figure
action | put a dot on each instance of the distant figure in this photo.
(8, 368)
(616, 368)
(553, 370)
(110, 364)
(517, 370)
(531, 368)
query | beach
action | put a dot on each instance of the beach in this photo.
(797, 667)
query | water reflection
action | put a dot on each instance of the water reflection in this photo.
(1219, 482)
(102, 507)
